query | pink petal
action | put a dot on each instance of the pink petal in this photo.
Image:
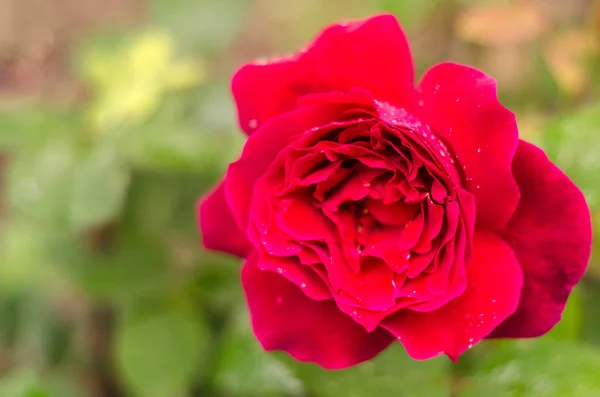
(372, 54)
(551, 235)
(494, 281)
(283, 318)
(461, 105)
(219, 230)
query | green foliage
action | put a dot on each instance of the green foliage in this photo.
(158, 354)
(572, 141)
(99, 186)
(536, 368)
(392, 373)
(243, 369)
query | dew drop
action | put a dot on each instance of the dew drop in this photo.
(477, 186)
(478, 150)
(303, 285)
(421, 103)
(253, 124)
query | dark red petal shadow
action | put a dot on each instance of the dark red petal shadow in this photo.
(551, 235)
(372, 54)
(283, 318)
(494, 283)
(461, 105)
(219, 230)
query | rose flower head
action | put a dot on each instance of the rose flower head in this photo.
(370, 210)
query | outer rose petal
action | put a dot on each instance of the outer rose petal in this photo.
(219, 230)
(284, 318)
(461, 105)
(551, 235)
(262, 148)
(372, 54)
(494, 286)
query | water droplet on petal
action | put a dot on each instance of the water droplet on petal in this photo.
(253, 124)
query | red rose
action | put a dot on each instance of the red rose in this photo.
(370, 210)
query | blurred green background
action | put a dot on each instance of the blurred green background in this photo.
(115, 116)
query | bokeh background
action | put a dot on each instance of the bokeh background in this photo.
(115, 116)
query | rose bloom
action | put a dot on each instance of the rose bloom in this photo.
(370, 210)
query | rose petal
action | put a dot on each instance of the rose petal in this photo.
(302, 276)
(283, 318)
(551, 235)
(262, 148)
(461, 105)
(494, 281)
(372, 54)
(219, 230)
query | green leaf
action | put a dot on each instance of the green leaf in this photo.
(22, 384)
(39, 184)
(136, 268)
(244, 369)
(31, 125)
(536, 368)
(99, 186)
(25, 383)
(23, 257)
(158, 355)
(391, 374)
(571, 141)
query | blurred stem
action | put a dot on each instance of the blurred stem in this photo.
(99, 334)
(97, 329)
(459, 373)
